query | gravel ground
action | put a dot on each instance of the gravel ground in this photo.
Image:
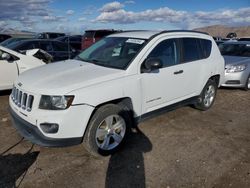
(181, 148)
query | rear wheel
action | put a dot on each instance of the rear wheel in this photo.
(207, 96)
(107, 130)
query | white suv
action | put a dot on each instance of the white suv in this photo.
(127, 76)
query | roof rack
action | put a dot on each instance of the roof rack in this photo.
(187, 31)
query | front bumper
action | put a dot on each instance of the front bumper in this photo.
(34, 135)
(237, 80)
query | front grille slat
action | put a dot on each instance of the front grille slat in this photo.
(21, 99)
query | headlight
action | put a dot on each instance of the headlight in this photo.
(55, 102)
(236, 68)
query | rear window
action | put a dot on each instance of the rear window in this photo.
(235, 49)
(89, 34)
(101, 34)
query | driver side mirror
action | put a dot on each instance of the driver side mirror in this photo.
(152, 64)
(6, 56)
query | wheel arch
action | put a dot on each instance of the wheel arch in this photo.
(216, 78)
(125, 103)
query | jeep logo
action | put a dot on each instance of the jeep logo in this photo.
(19, 84)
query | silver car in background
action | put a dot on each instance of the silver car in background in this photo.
(237, 64)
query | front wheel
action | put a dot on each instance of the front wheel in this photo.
(107, 130)
(247, 86)
(207, 96)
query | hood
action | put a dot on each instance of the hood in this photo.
(62, 77)
(232, 60)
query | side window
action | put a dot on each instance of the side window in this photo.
(60, 46)
(206, 46)
(190, 50)
(46, 46)
(26, 46)
(167, 52)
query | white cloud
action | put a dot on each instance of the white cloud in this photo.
(3, 24)
(114, 13)
(52, 18)
(159, 15)
(111, 7)
(70, 12)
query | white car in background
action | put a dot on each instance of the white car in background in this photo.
(237, 64)
(13, 63)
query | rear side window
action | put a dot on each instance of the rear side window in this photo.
(46, 46)
(53, 35)
(58, 46)
(190, 50)
(206, 46)
(27, 46)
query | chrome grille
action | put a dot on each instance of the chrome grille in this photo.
(21, 99)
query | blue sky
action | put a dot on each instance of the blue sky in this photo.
(76, 16)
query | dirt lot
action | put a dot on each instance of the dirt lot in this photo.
(182, 148)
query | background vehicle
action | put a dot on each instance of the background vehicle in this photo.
(244, 39)
(12, 64)
(92, 36)
(11, 40)
(3, 37)
(120, 80)
(59, 50)
(49, 35)
(237, 64)
(75, 41)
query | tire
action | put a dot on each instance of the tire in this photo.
(247, 86)
(107, 130)
(207, 96)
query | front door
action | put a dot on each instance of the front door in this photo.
(172, 83)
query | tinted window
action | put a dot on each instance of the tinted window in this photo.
(58, 46)
(166, 51)
(46, 46)
(101, 34)
(26, 46)
(54, 35)
(235, 49)
(89, 34)
(190, 50)
(206, 46)
(75, 39)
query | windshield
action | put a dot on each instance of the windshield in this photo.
(113, 52)
(11, 40)
(235, 49)
(14, 45)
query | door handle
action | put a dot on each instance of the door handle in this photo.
(179, 72)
